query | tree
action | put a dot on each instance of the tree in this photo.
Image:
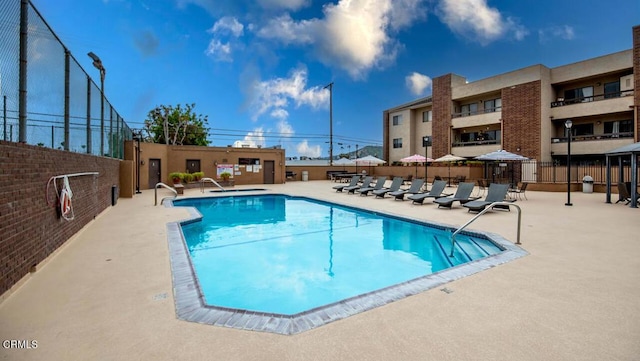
(177, 125)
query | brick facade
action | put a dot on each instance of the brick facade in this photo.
(636, 79)
(30, 229)
(521, 119)
(441, 126)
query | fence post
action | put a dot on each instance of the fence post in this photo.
(66, 99)
(88, 115)
(22, 100)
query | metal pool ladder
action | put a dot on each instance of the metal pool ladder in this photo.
(488, 208)
(175, 193)
(212, 181)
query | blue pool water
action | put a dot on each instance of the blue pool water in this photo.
(286, 255)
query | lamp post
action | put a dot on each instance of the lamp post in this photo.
(136, 137)
(356, 159)
(97, 63)
(568, 124)
(330, 86)
(425, 142)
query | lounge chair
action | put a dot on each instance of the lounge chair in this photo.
(463, 195)
(497, 193)
(395, 185)
(366, 182)
(416, 185)
(624, 195)
(436, 192)
(354, 181)
(520, 191)
(364, 191)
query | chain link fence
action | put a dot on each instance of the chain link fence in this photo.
(47, 98)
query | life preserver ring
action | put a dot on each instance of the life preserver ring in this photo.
(65, 205)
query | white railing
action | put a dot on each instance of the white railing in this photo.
(175, 193)
(488, 208)
(203, 180)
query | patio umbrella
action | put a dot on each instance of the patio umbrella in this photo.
(369, 160)
(502, 155)
(344, 162)
(448, 158)
(416, 158)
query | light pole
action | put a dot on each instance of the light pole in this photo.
(330, 86)
(356, 159)
(425, 141)
(136, 137)
(568, 124)
(97, 63)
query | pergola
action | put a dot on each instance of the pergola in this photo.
(632, 151)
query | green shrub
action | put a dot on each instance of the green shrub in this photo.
(187, 177)
(176, 176)
(197, 176)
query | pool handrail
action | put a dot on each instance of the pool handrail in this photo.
(209, 180)
(488, 208)
(155, 193)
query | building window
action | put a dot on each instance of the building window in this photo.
(397, 143)
(427, 116)
(397, 119)
(493, 105)
(582, 129)
(579, 95)
(612, 90)
(619, 126)
(469, 109)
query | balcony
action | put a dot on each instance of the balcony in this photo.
(474, 148)
(591, 144)
(474, 119)
(593, 105)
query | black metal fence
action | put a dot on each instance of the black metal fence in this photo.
(554, 172)
(48, 99)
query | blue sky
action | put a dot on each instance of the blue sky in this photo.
(258, 68)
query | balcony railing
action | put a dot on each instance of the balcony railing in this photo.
(475, 143)
(562, 102)
(475, 112)
(579, 138)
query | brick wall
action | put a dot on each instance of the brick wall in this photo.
(30, 229)
(441, 116)
(636, 78)
(521, 123)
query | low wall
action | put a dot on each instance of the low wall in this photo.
(30, 228)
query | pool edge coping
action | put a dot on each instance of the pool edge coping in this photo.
(190, 306)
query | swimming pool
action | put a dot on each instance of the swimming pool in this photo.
(296, 259)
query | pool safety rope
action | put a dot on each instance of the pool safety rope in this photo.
(63, 198)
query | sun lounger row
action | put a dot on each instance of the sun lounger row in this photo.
(497, 192)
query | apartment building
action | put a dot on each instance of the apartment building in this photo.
(524, 111)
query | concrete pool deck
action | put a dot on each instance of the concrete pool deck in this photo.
(108, 294)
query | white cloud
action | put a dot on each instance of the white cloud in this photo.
(354, 35)
(284, 4)
(252, 139)
(304, 149)
(476, 20)
(279, 113)
(227, 25)
(284, 128)
(219, 51)
(564, 32)
(417, 83)
(274, 95)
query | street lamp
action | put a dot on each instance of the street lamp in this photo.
(137, 137)
(330, 86)
(568, 124)
(356, 159)
(97, 63)
(426, 140)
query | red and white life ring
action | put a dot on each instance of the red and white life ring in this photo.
(65, 205)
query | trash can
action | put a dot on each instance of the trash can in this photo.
(114, 195)
(587, 184)
(305, 176)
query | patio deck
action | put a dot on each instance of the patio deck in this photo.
(107, 294)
